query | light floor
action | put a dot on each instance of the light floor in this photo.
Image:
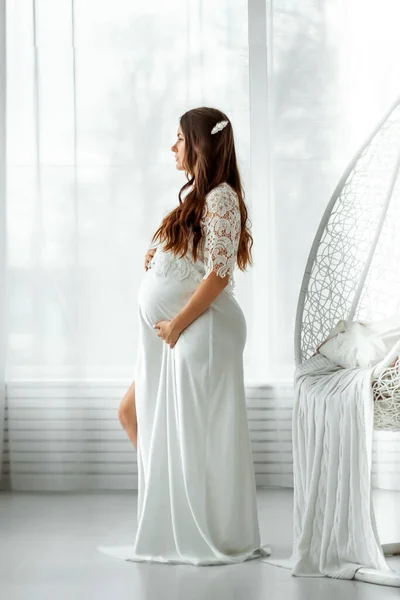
(48, 551)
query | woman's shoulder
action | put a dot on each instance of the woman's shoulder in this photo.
(223, 194)
(222, 189)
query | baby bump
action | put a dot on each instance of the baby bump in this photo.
(162, 297)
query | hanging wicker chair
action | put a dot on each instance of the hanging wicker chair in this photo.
(353, 270)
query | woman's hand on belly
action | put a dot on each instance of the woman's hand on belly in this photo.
(147, 259)
(168, 331)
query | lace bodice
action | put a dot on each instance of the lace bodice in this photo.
(221, 226)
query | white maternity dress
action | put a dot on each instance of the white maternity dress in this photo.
(196, 484)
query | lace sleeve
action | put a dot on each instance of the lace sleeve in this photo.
(221, 230)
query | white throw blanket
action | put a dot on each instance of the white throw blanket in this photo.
(334, 523)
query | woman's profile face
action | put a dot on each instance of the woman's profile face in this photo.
(179, 149)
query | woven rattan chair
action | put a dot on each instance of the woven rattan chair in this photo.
(353, 270)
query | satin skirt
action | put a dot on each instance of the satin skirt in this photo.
(196, 483)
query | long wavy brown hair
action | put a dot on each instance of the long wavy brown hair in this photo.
(209, 160)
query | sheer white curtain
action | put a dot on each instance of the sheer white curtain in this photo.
(334, 72)
(95, 89)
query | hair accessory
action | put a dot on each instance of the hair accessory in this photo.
(219, 126)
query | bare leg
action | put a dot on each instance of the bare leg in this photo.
(127, 414)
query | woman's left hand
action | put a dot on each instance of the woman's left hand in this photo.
(168, 331)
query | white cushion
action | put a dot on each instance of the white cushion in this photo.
(353, 344)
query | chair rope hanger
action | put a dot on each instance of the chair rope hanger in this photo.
(353, 269)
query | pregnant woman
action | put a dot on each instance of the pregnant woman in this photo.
(186, 411)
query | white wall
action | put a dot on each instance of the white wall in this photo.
(68, 437)
(62, 437)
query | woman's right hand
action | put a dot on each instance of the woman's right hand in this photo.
(150, 253)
